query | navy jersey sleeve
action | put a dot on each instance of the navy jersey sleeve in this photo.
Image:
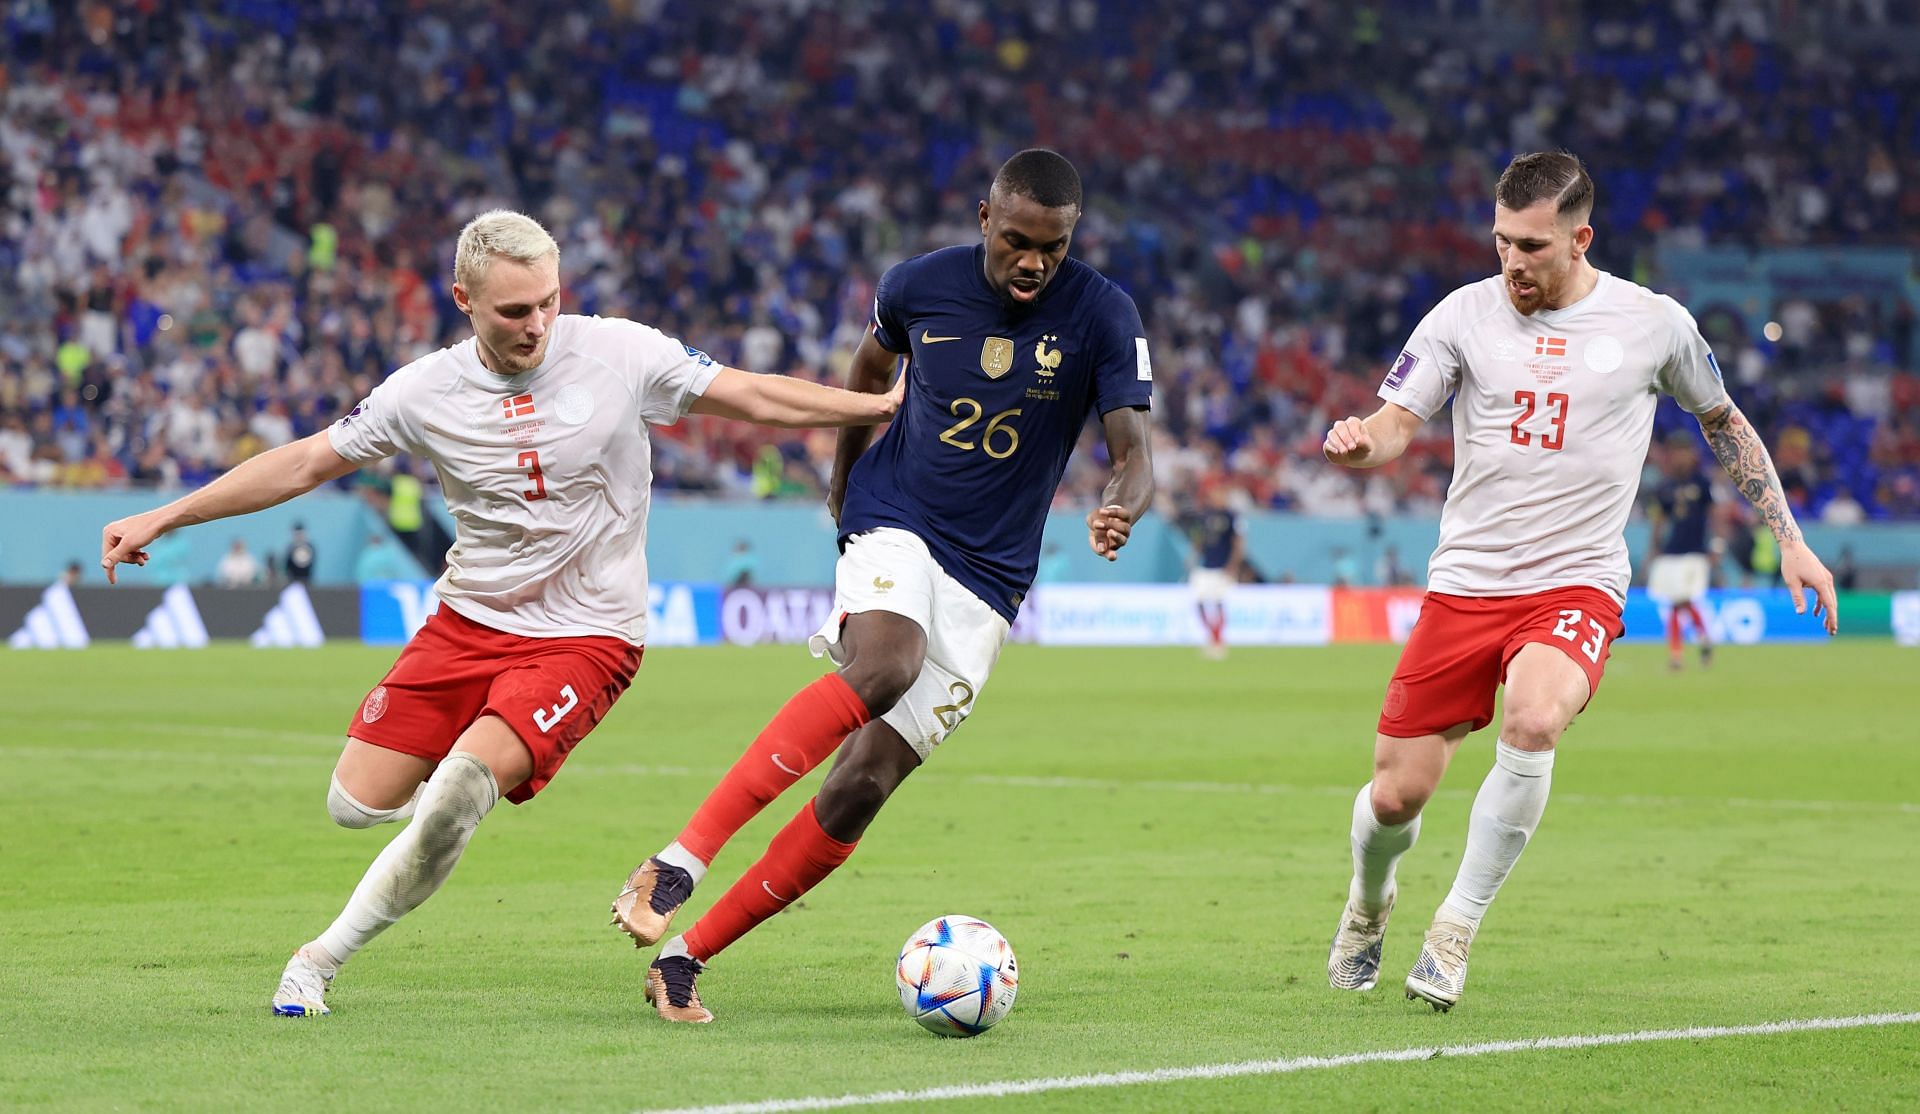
(889, 316)
(1122, 372)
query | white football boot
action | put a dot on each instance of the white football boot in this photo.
(1439, 977)
(1354, 961)
(303, 988)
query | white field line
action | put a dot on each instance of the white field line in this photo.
(1220, 788)
(1295, 1064)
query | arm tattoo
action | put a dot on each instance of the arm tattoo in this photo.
(1744, 456)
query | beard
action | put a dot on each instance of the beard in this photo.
(1529, 303)
(509, 361)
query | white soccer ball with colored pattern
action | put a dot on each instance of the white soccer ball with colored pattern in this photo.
(957, 976)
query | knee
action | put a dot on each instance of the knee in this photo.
(457, 798)
(1395, 803)
(880, 682)
(1532, 726)
(853, 793)
(348, 812)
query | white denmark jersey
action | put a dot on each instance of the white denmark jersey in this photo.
(1552, 415)
(548, 473)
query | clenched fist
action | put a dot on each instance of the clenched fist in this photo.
(1348, 442)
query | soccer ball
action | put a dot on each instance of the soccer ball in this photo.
(957, 976)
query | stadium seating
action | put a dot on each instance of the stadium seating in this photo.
(223, 223)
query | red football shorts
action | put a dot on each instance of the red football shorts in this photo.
(1458, 652)
(551, 691)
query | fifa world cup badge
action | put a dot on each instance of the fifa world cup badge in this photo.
(996, 357)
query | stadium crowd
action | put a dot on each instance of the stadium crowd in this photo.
(224, 222)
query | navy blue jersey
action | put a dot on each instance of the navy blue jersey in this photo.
(1684, 505)
(1213, 534)
(996, 397)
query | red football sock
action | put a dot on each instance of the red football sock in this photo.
(1673, 631)
(811, 726)
(1699, 625)
(795, 862)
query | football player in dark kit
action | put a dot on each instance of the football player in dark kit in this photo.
(1219, 555)
(1011, 346)
(1679, 558)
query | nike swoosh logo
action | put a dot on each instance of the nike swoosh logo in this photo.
(768, 886)
(927, 337)
(784, 766)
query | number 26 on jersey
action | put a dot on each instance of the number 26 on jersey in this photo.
(997, 440)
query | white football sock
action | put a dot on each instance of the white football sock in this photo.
(1377, 849)
(676, 855)
(413, 866)
(348, 812)
(1505, 813)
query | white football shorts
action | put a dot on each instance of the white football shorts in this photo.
(888, 569)
(1679, 577)
(1210, 585)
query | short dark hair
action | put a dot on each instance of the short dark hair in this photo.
(1041, 175)
(1555, 176)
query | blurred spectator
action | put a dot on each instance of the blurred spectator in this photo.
(297, 564)
(238, 567)
(1389, 571)
(407, 517)
(1346, 568)
(1846, 572)
(218, 222)
(741, 565)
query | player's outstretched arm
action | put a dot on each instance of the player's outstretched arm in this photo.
(259, 482)
(871, 371)
(1744, 455)
(778, 400)
(1130, 492)
(1369, 442)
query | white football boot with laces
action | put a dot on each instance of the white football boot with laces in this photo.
(1354, 961)
(303, 988)
(1439, 977)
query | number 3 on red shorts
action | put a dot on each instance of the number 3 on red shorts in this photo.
(1569, 628)
(545, 718)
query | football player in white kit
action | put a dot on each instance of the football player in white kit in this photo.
(1555, 369)
(537, 426)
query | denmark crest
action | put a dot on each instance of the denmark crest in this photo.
(376, 705)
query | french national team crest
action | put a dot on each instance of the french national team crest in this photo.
(996, 357)
(1047, 359)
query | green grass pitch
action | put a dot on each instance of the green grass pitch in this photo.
(1162, 838)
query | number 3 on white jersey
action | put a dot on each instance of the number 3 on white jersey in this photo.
(545, 718)
(1568, 628)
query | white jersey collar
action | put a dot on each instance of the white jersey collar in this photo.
(1567, 313)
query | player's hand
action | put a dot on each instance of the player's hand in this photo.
(1801, 570)
(896, 395)
(1108, 529)
(836, 497)
(126, 540)
(1348, 442)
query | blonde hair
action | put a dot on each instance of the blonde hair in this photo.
(500, 232)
